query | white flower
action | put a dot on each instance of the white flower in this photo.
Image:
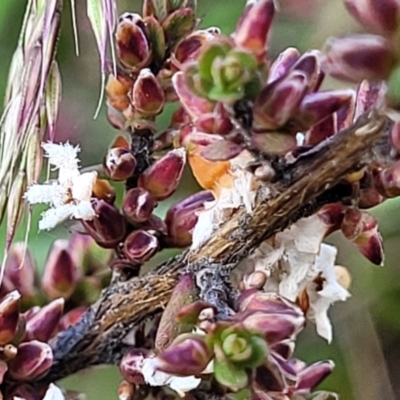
(154, 377)
(242, 192)
(294, 260)
(69, 196)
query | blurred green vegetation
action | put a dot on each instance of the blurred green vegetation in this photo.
(366, 327)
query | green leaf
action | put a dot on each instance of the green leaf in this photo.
(230, 375)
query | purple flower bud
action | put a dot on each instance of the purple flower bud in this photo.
(275, 327)
(380, 16)
(312, 375)
(131, 366)
(162, 178)
(387, 181)
(218, 122)
(283, 63)
(187, 355)
(9, 316)
(321, 131)
(147, 94)
(310, 64)
(60, 272)
(221, 150)
(138, 205)
(279, 101)
(193, 104)
(361, 228)
(188, 48)
(119, 163)
(43, 324)
(132, 44)
(108, 227)
(359, 57)
(253, 28)
(182, 217)
(32, 360)
(71, 317)
(140, 246)
(20, 269)
(155, 223)
(315, 107)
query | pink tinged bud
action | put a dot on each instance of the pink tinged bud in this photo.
(108, 227)
(219, 122)
(138, 205)
(321, 131)
(332, 216)
(187, 355)
(20, 269)
(380, 16)
(369, 198)
(194, 105)
(283, 63)
(140, 246)
(275, 327)
(155, 223)
(42, 325)
(359, 57)
(132, 44)
(119, 163)
(315, 107)
(71, 317)
(221, 150)
(253, 28)
(387, 181)
(9, 316)
(361, 228)
(312, 375)
(182, 217)
(33, 359)
(279, 101)
(369, 95)
(131, 366)
(310, 64)
(188, 48)
(344, 117)
(147, 94)
(162, 178)
(60, 272)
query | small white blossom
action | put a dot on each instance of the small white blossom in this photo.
(154, 377)
(243, 192)
(69, 196)
(293, 260)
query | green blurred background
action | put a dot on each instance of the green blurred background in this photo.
(366, 345)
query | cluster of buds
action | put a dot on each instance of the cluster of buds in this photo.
(33, 310)
(250, 352)
(143, 83)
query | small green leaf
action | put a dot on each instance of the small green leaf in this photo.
(230, 375)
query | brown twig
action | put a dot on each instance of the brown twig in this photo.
(314, 179)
